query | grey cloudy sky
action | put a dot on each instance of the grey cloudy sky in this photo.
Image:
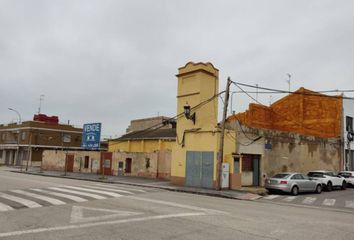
(113, 61)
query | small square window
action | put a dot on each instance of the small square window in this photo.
(23, 136)
(67, 138)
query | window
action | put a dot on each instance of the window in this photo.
(86, 163)
(297, 176)
(23, 136)
(281, 175)
(66, 138)
(315, 174)
(147, 163)
(236, 165)
(349, 124)
(247, 164)
(4, 136)
(331, 174)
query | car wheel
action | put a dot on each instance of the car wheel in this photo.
(329, 187)
(318, 189)
(295, 191)
(344, 185)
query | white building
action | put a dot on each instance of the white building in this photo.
(348, 134)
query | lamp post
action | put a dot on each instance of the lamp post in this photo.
(18, 134)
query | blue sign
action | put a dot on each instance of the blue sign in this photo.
(91, 136)
(268, 146)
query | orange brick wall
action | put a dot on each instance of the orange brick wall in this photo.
(309, 113)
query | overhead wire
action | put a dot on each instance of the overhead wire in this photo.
(160, 125)
(315, 93)
(282, 116)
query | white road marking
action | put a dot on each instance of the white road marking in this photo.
(4, 207)
(349, 204)
(329, 202)
(309, 200)
(77, 214)
(63, 195)
(172, 204)
(108, 189)
(119, 187)
(270, 197)
(289, 199)
(40, 197)
(95, 191)
(88, 225)
(25, 202)
(95, 196)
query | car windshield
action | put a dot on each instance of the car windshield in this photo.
(331, 174)
(315, 174)
(344, 174)
(281, 175)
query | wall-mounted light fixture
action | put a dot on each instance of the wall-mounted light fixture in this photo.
(187, 113)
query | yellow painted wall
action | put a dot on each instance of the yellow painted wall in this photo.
(198, 82)
(140, 145)
(201, 141)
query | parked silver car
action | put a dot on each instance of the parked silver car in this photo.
(293, 183)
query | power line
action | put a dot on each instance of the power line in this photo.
(282, 116)
(160, 125)
(316, 93)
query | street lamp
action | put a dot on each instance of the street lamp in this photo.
(187, 113)
(19, 115)
(18, 134)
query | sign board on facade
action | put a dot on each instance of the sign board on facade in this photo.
(268, 146)
(91, 136)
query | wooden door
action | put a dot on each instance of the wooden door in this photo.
(106, 163)
(69, 162)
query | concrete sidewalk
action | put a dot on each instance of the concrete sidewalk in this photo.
(241, 194)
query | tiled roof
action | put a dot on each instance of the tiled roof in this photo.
(150, 134)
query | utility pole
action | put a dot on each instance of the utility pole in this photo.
(65, 153)
(222, 134)
(29, 149)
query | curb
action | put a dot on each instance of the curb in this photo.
(242, 196)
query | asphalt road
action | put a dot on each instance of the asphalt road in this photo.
(124, 212)
(337, 199)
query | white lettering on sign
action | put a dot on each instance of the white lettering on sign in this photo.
(92, 128)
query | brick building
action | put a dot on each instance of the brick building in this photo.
(303, 131)
(27, 141)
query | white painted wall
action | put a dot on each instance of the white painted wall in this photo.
(247, 179)
(348, 110)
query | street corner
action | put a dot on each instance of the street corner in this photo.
(248, 196)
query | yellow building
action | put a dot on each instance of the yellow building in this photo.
(194, 156)
(145, 153)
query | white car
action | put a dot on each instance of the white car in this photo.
(349, 176)
(328, 179)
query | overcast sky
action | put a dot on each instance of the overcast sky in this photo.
(114, 61)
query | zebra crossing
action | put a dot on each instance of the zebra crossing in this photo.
(318, 201)
(60, 195)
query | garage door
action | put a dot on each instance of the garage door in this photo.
(199, 169)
